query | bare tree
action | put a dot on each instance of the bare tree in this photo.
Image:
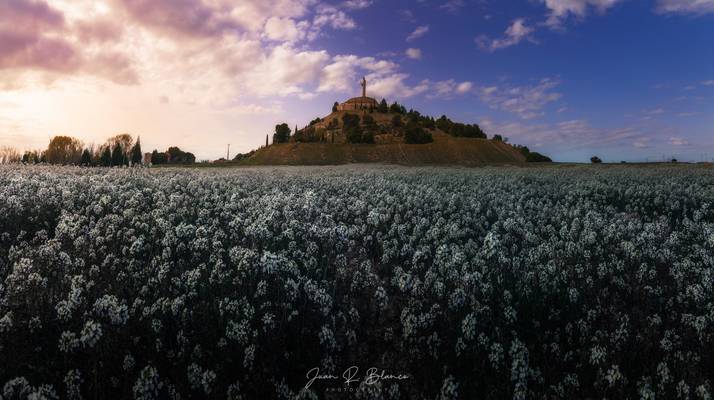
(9, 155)
(64, 150)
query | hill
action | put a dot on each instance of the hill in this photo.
(445, 149)
(385, 135)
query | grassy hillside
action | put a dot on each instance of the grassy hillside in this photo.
(445, 150)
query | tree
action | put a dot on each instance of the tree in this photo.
(335, 106)
(383, 107)
(350, 120)
(9, 155)
(117, 155)
(595, 160)
(282, 133)
(532, 156)
(397, 108)
(354, 134)
(414, 134)
(64, 150)
(106, 159)
(136, 154)
(397, 121)
(86, 159)
(178, 156)
(158, 158)
(497, 138)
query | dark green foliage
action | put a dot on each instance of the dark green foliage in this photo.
(32, 157)
(177, 156)
(350, 120)
(532, 156)
(105, 160)
(427, 122)
(397, 108)
(353, 134)
(136, 154)
(282, 133)
(397, 122)
(458, 129)
(243, 156)
(334, 107)
(497, 138)
(86, 159)
(414, 134)
(158, 158)
(118, 156)
(383, 107)
(354, 131)
(308, 135)
(595, 160)
(314, 121)
(369, 123)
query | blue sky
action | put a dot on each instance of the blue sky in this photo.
(623, 79)
(631, 81)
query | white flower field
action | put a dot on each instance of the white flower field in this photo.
(490, 283)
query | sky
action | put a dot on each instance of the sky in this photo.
(628, 80)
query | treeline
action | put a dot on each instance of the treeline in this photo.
(117, 151)
(532, 156)
(361, 127)
(460, 130)
(173, 155)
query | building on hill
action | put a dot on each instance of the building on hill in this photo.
(359, 103)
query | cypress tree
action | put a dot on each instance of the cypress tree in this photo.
(136, 155)
(117, 156)
(106, 159)
(86, 159)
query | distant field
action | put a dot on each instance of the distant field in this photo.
(566, 281)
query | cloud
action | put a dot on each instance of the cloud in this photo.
(525, 101)
(414, 54)
(285, 29)
(708, 83)
(285, 70)
(341, 75)
(453, 6)
(566, 135)
(187, 18)
(32, 15)
(333, 17)
(678, 141)
(38, 39)
(464, 87)
(515, 33)
(394, 86)
(561, 10)
(356, 4)
(685, 6)
(448, 89)
(418, 32)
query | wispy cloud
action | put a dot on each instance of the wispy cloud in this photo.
(527, 102)
(414, 54)
(356, 4)
(560, 10)
(453, 5)
(418, 32)
(516, 32)
(685, 6)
